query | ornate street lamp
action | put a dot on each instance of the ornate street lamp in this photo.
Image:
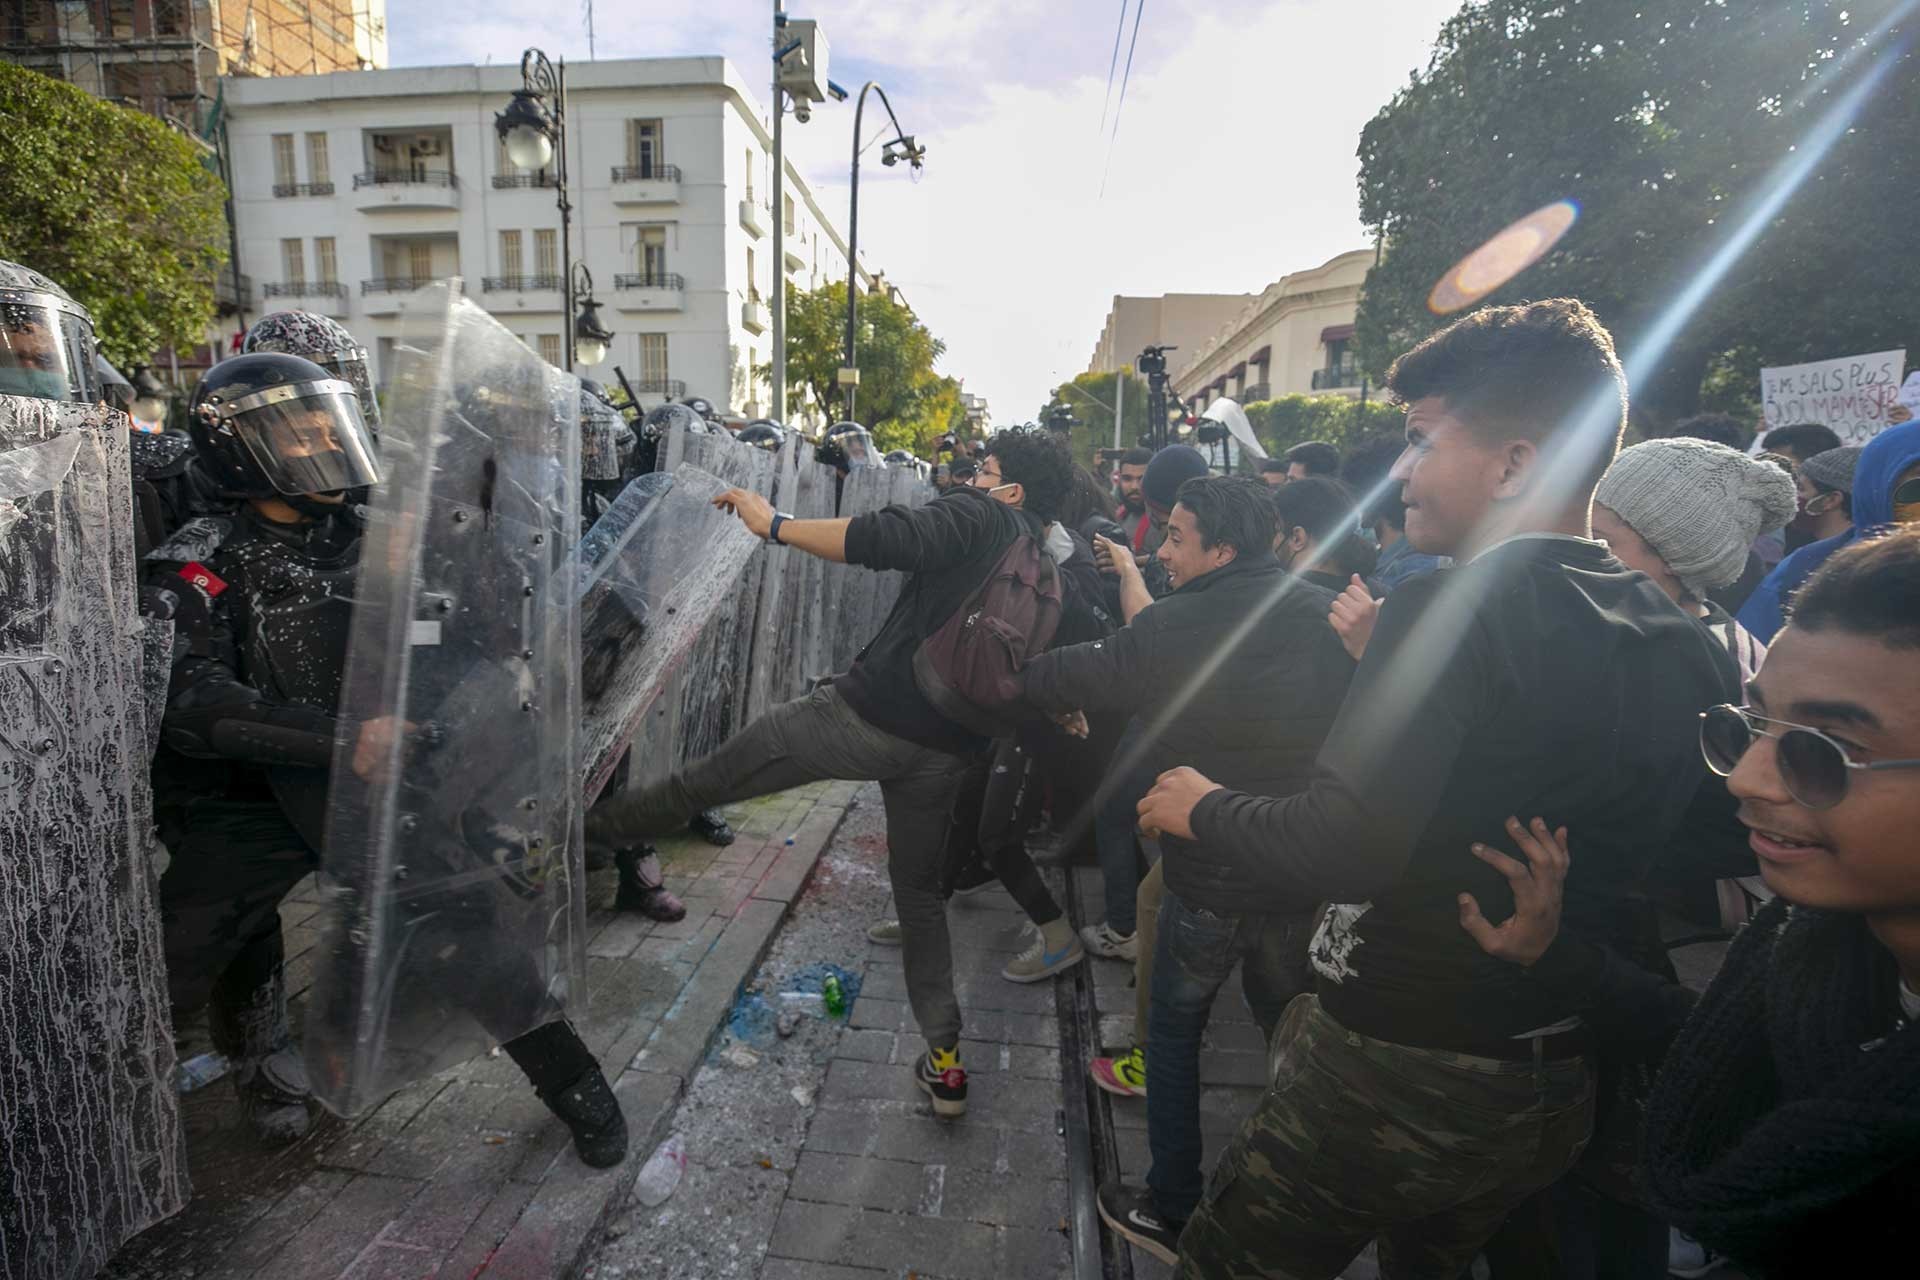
(903, 146)
(533, 131)
(590, 336)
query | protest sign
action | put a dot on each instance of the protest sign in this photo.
(1851, 394)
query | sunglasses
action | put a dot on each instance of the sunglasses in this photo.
(1907, 493)
(1815, 768)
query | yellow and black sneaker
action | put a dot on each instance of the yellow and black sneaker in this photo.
(944, 1080)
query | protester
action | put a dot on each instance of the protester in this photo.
(1782, 1130)
(1257, 714)
(1426, 1090)
(1888, 463)
(1800, 441)
(1684, 512)
(1316, 523)
(1172, 467)
(1128, 476)
(1313, 458)
(1825, 486)
(1366, 473)
(873, 722)
(1273, 472)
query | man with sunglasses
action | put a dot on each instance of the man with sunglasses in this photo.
(1783, 1129)
(1886, 491)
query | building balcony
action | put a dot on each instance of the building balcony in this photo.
(753, 216)
(226, 299)
(666, 388)
(524, 293)
(385, 297)
(649, 291)
(288, 190)
(646, 184)
(322, 297)
(406, 189)
(753, 315)
(1256, 392)
(795, 259)
(510, 181)
(1334, 379)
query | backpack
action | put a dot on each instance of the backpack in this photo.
(969, 668)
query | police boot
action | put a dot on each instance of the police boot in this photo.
(566, 1077)
(711, 825)
(643, 886)
(269, 1072)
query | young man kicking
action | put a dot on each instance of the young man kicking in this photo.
(1427, 1088)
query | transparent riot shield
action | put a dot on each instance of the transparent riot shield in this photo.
(452, 858)
(89, 1118)
(656, 571)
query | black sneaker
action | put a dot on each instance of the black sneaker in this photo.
(942, 1078)
(710, 826)
(593, 1115)
(1130, 1211)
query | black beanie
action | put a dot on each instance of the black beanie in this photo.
(1172, 467)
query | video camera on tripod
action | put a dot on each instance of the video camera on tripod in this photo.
(1152, 365)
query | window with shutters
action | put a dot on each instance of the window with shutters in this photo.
(653, 357)
(319, 172)
(651, 252)
(510, 261)
(285, 172)
(645, 152)
(550, 348)
(325, 263)
(293, 261)
(546, 251)
(419, 262)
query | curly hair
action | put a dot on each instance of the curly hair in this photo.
(1533, 371)
(1039, 464)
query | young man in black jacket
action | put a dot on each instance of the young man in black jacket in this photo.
(1238, 668)
(873, 721)
(1427, 1088)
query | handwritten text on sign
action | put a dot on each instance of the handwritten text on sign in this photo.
(1851, 394)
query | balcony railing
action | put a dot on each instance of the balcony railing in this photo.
(1258, 391)
(405, 177)
(304, 289)
(649, 280)
(285, 189)
(660, 387)
(223, 291)
(646, 173)
(505, 181)
(1329, 379)
(519, 284)
(393, 284)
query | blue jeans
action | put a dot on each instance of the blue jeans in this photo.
(1115, 819)
(1195, 951)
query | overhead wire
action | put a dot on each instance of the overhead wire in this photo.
(1113, 61)
(1125, 77)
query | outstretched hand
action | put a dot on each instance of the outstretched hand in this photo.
(1112, 558)
(1352, 616)
(754, 511)
(1523, 937)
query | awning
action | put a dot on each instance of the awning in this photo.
(1336, 333)
(1238, 371)
(1264, 356)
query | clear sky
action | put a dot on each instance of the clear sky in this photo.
(1234, 161)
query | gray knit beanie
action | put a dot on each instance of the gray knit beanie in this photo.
(1833, 469)
(1699, 505)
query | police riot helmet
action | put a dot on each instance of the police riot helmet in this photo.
(846, 445)
(605, 438)
(46, 339)
(763, 433)
(324, 341)
(664, 418)
(902, 458)
(702, 406)
(272, 423)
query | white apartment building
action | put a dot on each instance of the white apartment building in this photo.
(1294, 337)
(352, 189)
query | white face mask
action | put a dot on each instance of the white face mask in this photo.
(1059, 544)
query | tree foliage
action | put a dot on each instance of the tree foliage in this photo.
(902, 400)
(1342, 421)
(116, 207)
(1662, 119)
(1093, 397)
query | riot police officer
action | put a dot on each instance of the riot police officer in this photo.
(249, 732)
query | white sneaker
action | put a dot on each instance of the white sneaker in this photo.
(1104, 942)
(1688, 1258)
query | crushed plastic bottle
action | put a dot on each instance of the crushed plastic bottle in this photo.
(661, 1173)
(833, 996)
(199, 1071)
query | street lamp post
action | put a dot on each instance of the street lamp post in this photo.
(535, 133)
(590, 337)
(903, 146)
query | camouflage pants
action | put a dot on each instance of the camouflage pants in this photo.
(1357, 1139)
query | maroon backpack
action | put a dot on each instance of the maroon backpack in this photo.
(969, 669)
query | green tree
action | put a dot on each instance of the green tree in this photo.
(1092, 397)
(116, 207)
(901, 398)
(1661, 119)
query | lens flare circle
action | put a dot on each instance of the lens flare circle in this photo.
(1512, 250)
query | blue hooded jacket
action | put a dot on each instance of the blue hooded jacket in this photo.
(1881, 462)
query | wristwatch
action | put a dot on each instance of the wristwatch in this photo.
(773, 530)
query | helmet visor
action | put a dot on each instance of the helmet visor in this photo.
(351, 366)
(46, 352)
(307, 437)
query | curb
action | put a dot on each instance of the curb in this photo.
(567, 1214)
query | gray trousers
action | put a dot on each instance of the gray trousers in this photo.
(820, 736)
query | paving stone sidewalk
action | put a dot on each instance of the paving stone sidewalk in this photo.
(466, 1174)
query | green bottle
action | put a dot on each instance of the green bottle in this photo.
(832, 995)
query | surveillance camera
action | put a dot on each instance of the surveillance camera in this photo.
(889, 159)
(801, 111)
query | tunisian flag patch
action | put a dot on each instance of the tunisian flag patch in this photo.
(204, 578)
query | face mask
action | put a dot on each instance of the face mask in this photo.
(40, 384)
